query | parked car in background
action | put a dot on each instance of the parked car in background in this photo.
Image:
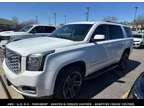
(138, 39)
(1, 30)
(26, 32)
(57, 65)
(137, 90)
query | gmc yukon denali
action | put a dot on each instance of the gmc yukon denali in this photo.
(57, 65)
(29, 31)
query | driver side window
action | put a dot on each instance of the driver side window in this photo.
(101, 30)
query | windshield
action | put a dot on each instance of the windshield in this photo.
(137, 36)
(75, 32)
(25, 29)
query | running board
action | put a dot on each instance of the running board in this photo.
(100, 72)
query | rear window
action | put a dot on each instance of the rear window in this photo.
(137, 36)
(128, 31)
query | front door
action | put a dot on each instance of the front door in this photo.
(98, 51)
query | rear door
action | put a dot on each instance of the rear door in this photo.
(115, 43)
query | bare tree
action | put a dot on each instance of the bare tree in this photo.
(125, 22)
(28, 22)
(138, 23)
(139, 20)
(15, 20)
(14, 23)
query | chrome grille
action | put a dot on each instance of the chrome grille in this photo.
(13, 61)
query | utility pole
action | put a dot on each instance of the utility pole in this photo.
(135, 14)
(55, 18)
(65, 18)
(49, 20)
(87, 13)
(36, 19)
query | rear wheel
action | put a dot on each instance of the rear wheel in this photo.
(68, 83)
(124, 61)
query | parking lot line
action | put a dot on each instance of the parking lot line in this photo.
(125, 94)
(4, 88)
(12, 94)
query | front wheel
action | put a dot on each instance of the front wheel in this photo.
(26, 97)
(124, 61)
(68, 83)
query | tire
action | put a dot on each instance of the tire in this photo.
(26, 97)
(68, 83)
(124, 61)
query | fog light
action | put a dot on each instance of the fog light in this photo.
(28, 89)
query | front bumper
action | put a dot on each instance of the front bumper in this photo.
(26, 83)
(136, 44)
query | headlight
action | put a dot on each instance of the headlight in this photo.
(137, 91)
(35, 62)
(132, 94)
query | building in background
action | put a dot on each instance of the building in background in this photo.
(6, 25)
(137, 27)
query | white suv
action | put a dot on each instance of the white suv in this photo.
(138, 39)
(26, 32)
(57, 65)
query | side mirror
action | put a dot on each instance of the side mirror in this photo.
(98, 38)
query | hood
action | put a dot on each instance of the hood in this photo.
(37, 45)
(12, 33)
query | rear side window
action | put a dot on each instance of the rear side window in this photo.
(115, 32)
(128, 31)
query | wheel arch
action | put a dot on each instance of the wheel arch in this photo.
(127, 50)
(77, 63)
